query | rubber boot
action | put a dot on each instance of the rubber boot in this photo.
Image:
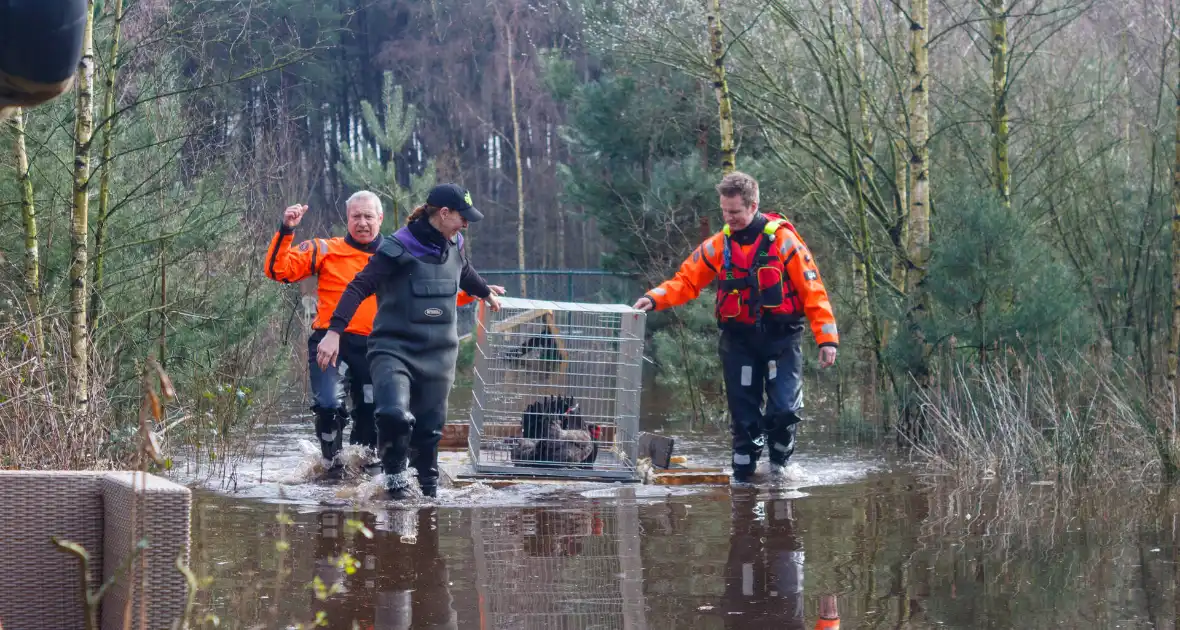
(398, 483)
(342, 420)
(393, 434)
(780, 432)
(345, 418)
(745, 459)
(364, 429)
(331, 437)
(425, 461)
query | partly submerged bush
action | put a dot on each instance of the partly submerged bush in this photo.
(1071, 422)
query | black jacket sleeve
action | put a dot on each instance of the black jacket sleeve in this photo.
(362, 286)
(470, 280)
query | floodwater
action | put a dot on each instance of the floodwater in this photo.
(897, 550)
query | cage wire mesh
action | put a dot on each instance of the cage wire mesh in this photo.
(570, 285)
(556, 389)
(558, 569)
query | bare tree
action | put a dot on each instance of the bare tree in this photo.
(104, 186)
(520, 249)
(998, 17)
(918, 242)
(32, 276)
(1174, 340)
(392, 134)
(83, 128)
(724, 107)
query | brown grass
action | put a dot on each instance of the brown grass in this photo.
(1071, 423)
(38, 429)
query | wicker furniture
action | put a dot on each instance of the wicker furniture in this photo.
(40, 584)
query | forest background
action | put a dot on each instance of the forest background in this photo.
(991, 188)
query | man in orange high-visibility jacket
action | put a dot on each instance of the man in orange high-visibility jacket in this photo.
(767, 284)
(334, 262)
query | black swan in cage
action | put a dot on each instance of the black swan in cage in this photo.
(544, 344)
(554, 434)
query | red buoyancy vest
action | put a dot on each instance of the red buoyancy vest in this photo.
(753, 282)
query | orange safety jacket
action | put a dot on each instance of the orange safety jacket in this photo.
(774, 278)
(335, 262)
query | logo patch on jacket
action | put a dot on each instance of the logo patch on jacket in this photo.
(809, 274)
(433, 312)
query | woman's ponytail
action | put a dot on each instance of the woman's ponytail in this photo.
(418, 213)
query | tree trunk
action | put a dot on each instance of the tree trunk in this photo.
(163, 305)
(999, 51)
(1174, 341)
(724, 109)
(862, 272)
(104, 186)
(520, 258)
(29, 214)
(918, 243)
(560, 233)
(83, 127)
(901, 232)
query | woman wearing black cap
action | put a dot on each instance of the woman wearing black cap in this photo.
(416, 274)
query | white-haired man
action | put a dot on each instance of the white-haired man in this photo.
(335, 262)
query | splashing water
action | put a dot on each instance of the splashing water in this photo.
(285, 466)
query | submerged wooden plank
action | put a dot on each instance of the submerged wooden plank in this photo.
(691, 478)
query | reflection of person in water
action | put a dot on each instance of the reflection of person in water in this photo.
(764, 570)
(401, 580)
(354, 602)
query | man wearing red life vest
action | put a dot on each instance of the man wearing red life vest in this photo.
(767, 284)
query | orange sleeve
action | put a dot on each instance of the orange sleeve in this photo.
(805, 278)
(464, 298)
(290, 264)
(696, 272)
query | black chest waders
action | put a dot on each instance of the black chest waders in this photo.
(412, 353)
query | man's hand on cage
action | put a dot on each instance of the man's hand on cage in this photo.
(497, 289)
(644, 304)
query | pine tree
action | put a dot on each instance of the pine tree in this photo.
(363, 169)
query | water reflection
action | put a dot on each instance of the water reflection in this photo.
(764, 569)
(546, 568)
(400, 579)
(559, 568)
(898, 554)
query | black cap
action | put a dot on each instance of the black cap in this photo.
(456, 198)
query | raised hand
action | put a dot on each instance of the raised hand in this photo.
(293, 215)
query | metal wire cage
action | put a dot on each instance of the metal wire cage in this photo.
(558, 569)
(556, 389)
